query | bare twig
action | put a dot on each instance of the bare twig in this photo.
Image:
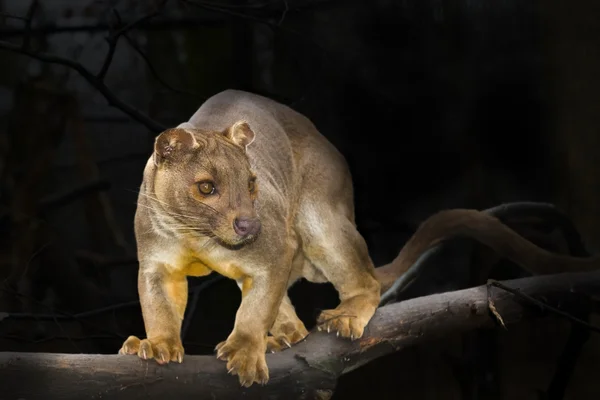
(227, 11)
(543, 306)
(254, 6)
(567, 362)
(70, 317)
(494, 310)
(61, 315)
(284, 12)
(58, 314)
(165, 24)
(28, 23)
(11, 16)
(19, 338)
(113, 100)
(276, 26)
(311, 366)
(113, 38)
(104, 262)
(57, 200)
(267, 9)
(192, 309)
(155, 73)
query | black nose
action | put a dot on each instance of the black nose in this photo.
(246, 226)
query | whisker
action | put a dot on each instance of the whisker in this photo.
(155, 199)
(173, 214)
(181, 222)
(209, 208)
(168, 207)
(206, 207)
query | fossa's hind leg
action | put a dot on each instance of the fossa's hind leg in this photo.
(333, 245)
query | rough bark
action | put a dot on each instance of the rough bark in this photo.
(309, 370)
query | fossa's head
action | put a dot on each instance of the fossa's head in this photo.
(203, 184)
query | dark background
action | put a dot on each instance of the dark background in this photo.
(435, 104)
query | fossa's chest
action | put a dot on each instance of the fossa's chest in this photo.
(194, 258)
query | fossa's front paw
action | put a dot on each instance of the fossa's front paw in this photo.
(349, 319)
(285, 336)
(162, 350)
(246, 358)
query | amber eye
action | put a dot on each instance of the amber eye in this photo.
(206, 187)
(252, 185)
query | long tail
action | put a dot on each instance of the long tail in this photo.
(487, 230)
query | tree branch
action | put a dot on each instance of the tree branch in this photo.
(266, 10)
(28, 22)
(112, 99)
(196, 290)
(57, 200)
(10, 16)
(113, 37)
(308, 370)
(162, 24)
(544, 307)
(155, 73)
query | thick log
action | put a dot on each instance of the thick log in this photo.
(309, 370)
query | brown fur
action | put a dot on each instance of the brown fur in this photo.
(304, 201)
(302, 213)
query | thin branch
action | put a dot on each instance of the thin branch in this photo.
(284, 12)
(169, 24)
(113, 38)
(226, 11)
(57, 314)
(11, 16)
(60, 315)
(250, 17)
(543, 306)
(57, 200)
(112, 99)
(71, 317)
(112, 47)
(255, 6)
(567, 362)
(28, 23)
(275, 26)
(494, 310)
(192, 309)
(310, 368)
(269, 10)
(116, 35)
(155, 73)
(20, 338)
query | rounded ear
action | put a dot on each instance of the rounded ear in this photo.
(173, 143)
(240, 133)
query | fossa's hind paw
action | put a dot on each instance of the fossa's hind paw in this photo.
(285, 336)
